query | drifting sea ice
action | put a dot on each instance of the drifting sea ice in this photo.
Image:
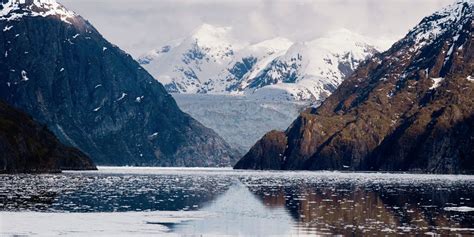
(171, 201)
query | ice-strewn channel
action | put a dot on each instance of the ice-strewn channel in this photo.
(214, 202)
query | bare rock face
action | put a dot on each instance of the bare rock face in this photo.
(410, 108)
(267, 153)
(26, 146)
(57, 67)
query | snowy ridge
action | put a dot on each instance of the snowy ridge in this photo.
(313, 70)
(185, 66)
(433, 27)
(16, 9)
(210, 61)
(247, 63)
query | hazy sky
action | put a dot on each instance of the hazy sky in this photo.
(138, 26)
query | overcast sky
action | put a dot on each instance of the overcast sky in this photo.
(138, 26)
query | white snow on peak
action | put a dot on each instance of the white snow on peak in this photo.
(16, 9)
(450, 18)
(213, 36)
(211, 60)
(312, 70)
(272, 45)
(345, 40)
(436, 82)
(187, 63)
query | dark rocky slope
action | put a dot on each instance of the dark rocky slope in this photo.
(26, 146)
(408, 109)
(57, 67)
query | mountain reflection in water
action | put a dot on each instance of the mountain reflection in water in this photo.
(257, 203)
(350, 209)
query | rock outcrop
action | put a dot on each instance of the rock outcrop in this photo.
(56, 66)
(410, 108)
(27, 146)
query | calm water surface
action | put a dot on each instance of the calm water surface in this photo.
(257, 203)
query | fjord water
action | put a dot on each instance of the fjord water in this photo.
(165, 201)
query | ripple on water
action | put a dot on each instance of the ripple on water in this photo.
(299, 202)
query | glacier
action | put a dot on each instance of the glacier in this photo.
(240, 120)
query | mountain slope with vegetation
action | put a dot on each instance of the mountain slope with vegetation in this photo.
(407, 109)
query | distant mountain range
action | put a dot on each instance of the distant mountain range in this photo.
(211, 61)
(56, 66)
(410, 108)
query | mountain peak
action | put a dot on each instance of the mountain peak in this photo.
(85, 63)
(341, 31)
(15, 9)
(206, 28)
(209, 33)
(342, 38)
(450, 19)
(415, 101)
(274, 44)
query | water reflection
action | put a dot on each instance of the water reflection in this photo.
(371, 209)
(305, 206)
(239, 212)
(258, 203)
(98, 192)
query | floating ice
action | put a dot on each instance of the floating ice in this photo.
(459, 209)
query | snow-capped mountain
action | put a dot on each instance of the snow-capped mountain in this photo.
(409, 108)
(58, 68)
(185, 66)
(246, 63)
(16, 9)
(313, 70)
(210, 61)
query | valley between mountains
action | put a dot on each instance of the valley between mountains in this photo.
(342, 101)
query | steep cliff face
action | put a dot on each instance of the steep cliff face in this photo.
(57, 67)
(408, 109)
(27, 146)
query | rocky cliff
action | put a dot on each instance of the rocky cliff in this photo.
(410, 108)
(57, 67)
(27, 146)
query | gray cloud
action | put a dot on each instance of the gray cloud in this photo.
(140, 25)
